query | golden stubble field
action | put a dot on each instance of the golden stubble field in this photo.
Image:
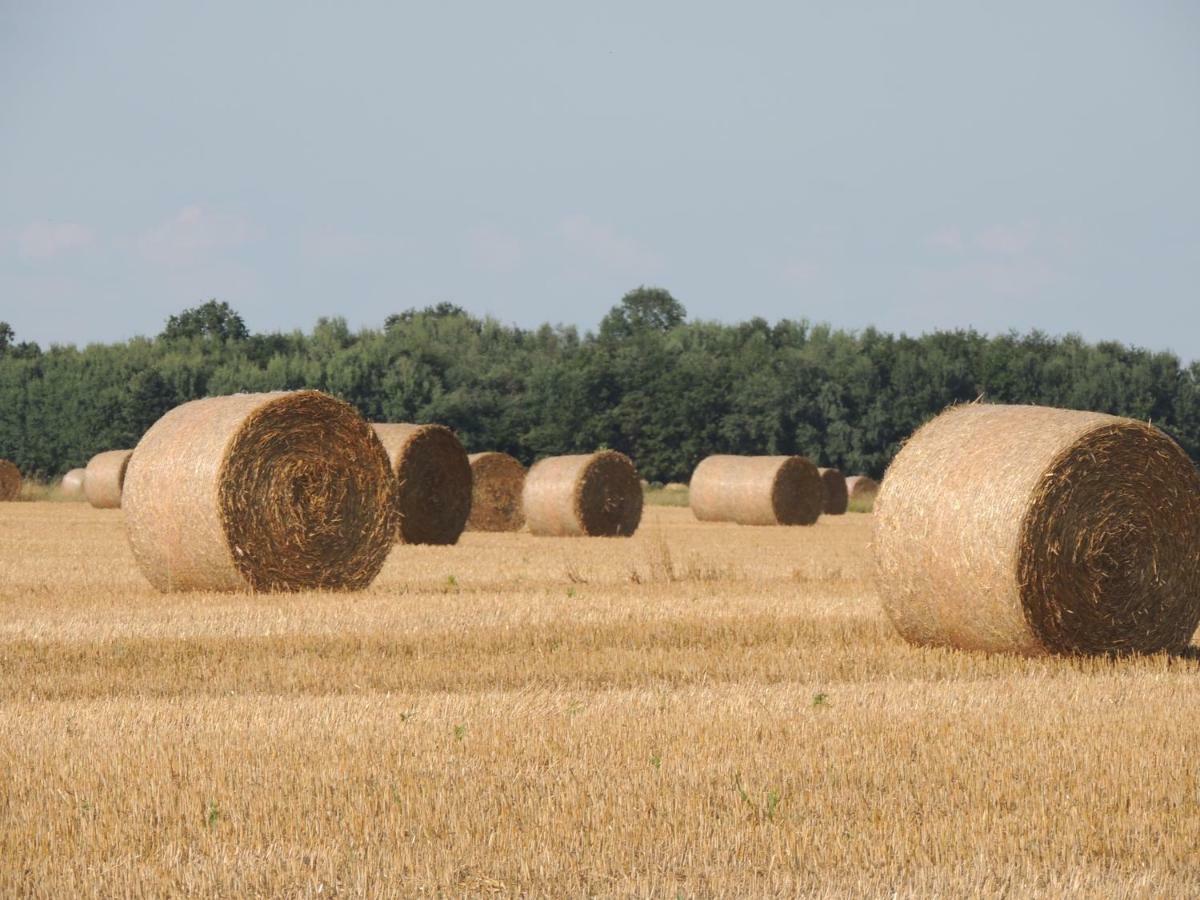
(702, 710)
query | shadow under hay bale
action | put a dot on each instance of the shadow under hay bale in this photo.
(1034, 530)
(10, 481)
(497, 480)
(596, 494)
(263, 492)
(837, 497)
(433, 478)
(105, 478)
(757, 490)
(71, 486)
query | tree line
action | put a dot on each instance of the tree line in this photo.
(648, 382)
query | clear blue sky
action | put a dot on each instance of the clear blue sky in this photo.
(911, 166)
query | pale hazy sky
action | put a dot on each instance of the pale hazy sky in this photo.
(911, 166)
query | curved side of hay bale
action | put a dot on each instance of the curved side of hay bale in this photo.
(433, 481)
(10, 481)
(497, 480)
(837, 497)
(71, 486)
(265, 492)
(1033, 530)
(594, 494)
(861, 487)
(757, 490)
(105, 478)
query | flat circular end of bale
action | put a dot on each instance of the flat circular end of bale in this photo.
(609, 496)
(71, 486)
(497, 480)
(433, 478)
(837, 497)
(104, 480)
(10, 481)
(862, 488)
(797, 494)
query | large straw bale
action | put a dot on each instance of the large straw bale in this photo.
(837, 497)
(757, 490)
(497, 480)
(263, 492)
(861, 488)
(1035, 530)
(594, 494)
(10, 481)
(434, 481)
(105, 478)
(71, 487)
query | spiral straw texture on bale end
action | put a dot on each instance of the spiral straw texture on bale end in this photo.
(10, 481)
(861, 487)
(497, 480)
(595, 494)
(434, 481)
(837, 497)
(105, 478)
(262, 492)
(757, 490)
(71, 486)
(1033, 530)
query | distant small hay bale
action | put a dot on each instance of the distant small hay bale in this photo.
(757, 490)
(263, 492)
(837, 497)
(595, 494)
(434, 481)
(105, 478)
(862, 488)
(71, 486)
(497, 480)
(10, 481)
(1032, 530)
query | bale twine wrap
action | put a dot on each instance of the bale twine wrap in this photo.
(1034, 530)
(10, 481)
(861, 487)
(105, 478)
(837, 497)
(497, 480)
(72, 484)
(434, 481)
(262, 492)
(757, 490)
(595, 495)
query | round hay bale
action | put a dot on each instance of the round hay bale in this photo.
(264, 492)
(105, 478)
(434, 481)
(71, 486)
(594, 495)
(837, 497)
(10, 481)
(861, 487)
(1032, 530)
(497, 480)
(757, 490)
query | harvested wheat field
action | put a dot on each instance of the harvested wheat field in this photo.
(700, 710)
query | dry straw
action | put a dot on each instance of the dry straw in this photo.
(71, 487)
(837, 497)
(434, 478)
(862, 488)
(105, 478)
(10, 481)
(496, 483)
(263, 492)
(595, 494)
(1034, 530)
(757, 490)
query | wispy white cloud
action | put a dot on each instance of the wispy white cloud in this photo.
(191, 236)
(495, 250)
(604, 245)
(335, 245)
(46, 240)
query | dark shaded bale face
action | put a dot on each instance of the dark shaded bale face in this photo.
(10, 481)
(497, 481)
(610, 496)
(434, 481)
